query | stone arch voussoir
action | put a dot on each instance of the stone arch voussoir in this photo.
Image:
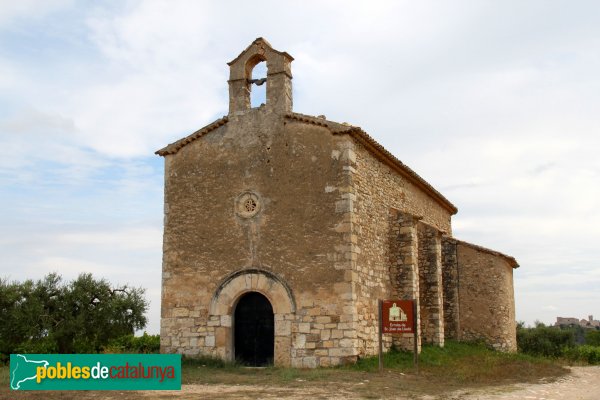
(252, 280)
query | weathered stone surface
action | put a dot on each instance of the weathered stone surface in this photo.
(430, 284)
(322, 221)
(485, 294)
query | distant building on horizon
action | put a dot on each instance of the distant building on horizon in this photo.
(584, 323)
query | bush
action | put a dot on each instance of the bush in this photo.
(545, 341)
(592, 338)
(585, 353)
(132, 344)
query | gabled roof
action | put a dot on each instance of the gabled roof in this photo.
(379, 152)
(337, 129)
(175, 146)
(511, 260)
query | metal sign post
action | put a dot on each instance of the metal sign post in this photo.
(380, 318)
(415, 347)
(398, 316)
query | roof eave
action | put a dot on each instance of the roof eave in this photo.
(511, 260)
(380, 152)
(176, 146)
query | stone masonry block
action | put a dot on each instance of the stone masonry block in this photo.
(226, 320)
(180, 312)
(283, 328)
(209, 341)
(304, 327)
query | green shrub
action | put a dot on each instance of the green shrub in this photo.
(545, 341)
(134, 344)
(39, 346)
(585, 353)
(592, 338)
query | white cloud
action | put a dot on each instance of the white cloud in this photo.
(121, 253)
(551, 308)
(13, 11)
(31, 137)
(126, 239)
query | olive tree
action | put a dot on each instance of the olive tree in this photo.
(79, 316)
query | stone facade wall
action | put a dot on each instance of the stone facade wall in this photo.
(404, 270)
(381, 194)
(450, 278)
(486, 297)
(430, 285)
(302, 176)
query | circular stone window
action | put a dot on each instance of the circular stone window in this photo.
(247, 205)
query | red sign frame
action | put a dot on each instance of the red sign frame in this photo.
(397, 316)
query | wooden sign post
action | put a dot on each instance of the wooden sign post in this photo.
(397, 316)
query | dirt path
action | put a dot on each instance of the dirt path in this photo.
(257, 392)
(583, 383)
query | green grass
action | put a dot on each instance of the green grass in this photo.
(456, 366)
(459, 363)
(4, 377)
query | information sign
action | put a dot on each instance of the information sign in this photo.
(397, 316)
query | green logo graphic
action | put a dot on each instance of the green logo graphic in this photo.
(23, 370)
(95, 371)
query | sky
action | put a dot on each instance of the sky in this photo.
(496, 104)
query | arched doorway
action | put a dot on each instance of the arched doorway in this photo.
(254, 332)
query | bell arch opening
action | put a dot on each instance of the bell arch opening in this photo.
(277, 80)
(258, 87)
(254, 330)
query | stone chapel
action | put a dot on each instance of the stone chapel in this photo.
(282, 231)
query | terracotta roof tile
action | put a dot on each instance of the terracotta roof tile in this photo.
(511, 260)
(175, 146)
